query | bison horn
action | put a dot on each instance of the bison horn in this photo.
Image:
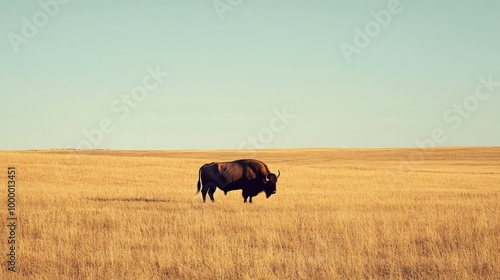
(278, 174)
(267, 179)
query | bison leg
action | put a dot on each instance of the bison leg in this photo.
(211, 192)
(245, 196)
(204, 194)
(205, 189)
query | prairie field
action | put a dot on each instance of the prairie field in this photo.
(337, 214)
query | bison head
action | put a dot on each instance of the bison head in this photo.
(270, 183)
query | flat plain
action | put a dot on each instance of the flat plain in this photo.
(337, 214)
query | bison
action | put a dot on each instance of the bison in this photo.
(249, 175)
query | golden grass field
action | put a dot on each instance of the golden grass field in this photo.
(337, 214)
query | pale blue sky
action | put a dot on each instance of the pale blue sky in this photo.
(227, 78)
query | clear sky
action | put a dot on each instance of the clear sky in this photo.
(245, 74)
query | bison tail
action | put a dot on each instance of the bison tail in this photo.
(199, 181)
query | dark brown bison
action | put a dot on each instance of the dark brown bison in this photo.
(249, 175)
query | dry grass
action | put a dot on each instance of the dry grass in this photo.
(338, 213)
